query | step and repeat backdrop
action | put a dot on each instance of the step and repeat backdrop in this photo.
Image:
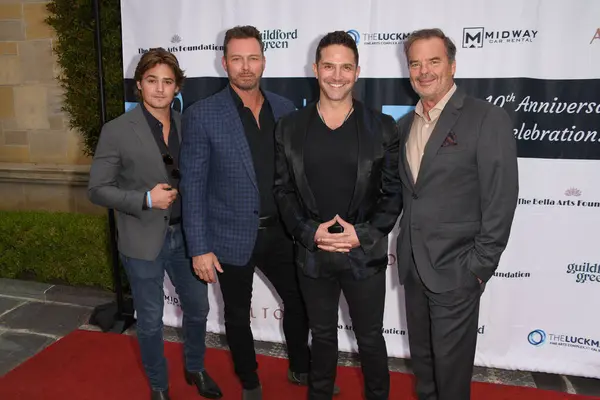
(539, 60)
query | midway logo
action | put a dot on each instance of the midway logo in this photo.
(475, 37)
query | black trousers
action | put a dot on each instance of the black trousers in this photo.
(442, 335)
(366, 300)
(274, 256)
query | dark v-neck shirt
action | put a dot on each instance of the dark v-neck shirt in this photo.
(262, 146)
(331, 162)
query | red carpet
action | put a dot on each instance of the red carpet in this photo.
(92, 366)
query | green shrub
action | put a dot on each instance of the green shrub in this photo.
(61, 248)
(74, 23)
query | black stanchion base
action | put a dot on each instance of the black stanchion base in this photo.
(109, 319)
(121, 325)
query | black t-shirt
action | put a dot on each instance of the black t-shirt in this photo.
(331, 162)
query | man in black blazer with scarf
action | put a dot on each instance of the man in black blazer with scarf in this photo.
(338, 189)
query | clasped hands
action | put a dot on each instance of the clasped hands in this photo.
(205, 265)
(336, 242)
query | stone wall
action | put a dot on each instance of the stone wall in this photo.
(42, 165)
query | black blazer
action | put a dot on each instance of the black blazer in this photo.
(377, 199)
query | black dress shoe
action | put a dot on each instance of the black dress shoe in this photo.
(204, 383)
(301, 378)
(160, 395)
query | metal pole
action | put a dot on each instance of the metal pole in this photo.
(98, 42)
(119, 324)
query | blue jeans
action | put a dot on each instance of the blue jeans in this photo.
(146, 279)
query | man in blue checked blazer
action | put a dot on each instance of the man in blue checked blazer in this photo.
(231, 220)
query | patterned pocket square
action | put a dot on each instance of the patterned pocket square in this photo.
(450, 140)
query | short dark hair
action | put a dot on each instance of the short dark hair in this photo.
(428, 34)
(154, 57)
(242, 32)
(338, 37)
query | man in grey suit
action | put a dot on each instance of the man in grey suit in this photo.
(458, 165)
(136, 172)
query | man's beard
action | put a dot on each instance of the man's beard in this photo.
(247, 82)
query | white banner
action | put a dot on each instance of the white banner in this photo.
(537, 59)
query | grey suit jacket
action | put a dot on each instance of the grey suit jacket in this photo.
(458, 215)
(127, 163)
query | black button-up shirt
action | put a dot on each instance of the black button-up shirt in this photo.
(170, 152)
(262, 146)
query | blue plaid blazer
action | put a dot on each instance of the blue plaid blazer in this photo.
(218, 184)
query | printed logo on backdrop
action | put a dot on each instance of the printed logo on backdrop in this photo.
(172, 300)
(536, 337)
(512, 275)
(391, 259)
(174, 303)
(384, 330)
(278, 39)
(585, 272)
(539, 337)
(266, 313)
(596, 36)
(476, 37)
(554, 127)
(378, 38)
(571, 199)
(178, 45)
(529, 105)
(355, 35)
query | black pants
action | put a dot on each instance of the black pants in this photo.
(442, 333)
(366, 300)
(274, 256)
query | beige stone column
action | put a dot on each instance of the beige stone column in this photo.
(42, 165)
